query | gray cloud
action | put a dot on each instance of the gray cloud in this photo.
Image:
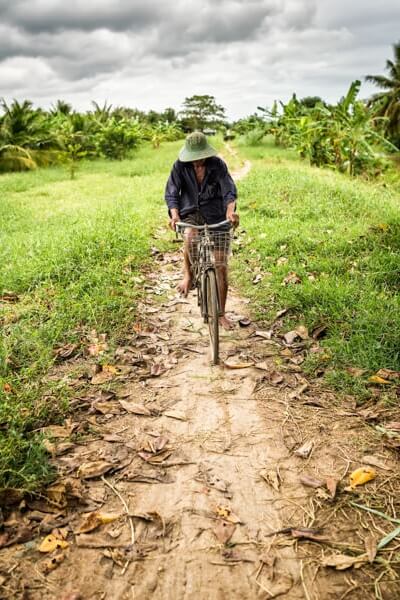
(245, 52)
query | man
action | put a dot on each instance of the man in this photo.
(200, 190)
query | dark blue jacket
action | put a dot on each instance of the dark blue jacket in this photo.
(211, 199)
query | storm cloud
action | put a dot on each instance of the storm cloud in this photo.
(152, 53)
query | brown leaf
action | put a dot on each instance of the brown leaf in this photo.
(355, 372)
(107, 373)
(393, 426)
(331, 484)
(256, 279)
(224, 531)
(371, 547)
(267, 335)
(94, 520)
(179, 415)
(342, 561)
(370, 459)
(72, 596)
(276, 378)
(304, 450)
(311, 481)
(308, 534)
(298, 391)
(230, 363)
(19, 536)
(291, 278)
(9, 297)
(272, 478)
(66, 351)
(319, 332)
(52, 563)
(388, 374)
(136, 409)
(57, 494)
(93, 469)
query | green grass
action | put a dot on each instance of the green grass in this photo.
(71, 250)
(343, 233)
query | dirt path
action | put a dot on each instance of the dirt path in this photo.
(207, 472)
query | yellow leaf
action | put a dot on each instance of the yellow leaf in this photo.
(94, 520)
(377, 379)
(51, 543)
(361, 476)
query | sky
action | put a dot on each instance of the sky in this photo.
(152, 54)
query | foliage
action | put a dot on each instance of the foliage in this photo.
(387, 103)
(202, 112)
(32, 137)
(72, 253)
(341, 238)
(344, 136)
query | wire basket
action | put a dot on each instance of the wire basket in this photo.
(216, 254)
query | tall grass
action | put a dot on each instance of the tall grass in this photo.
(342, 238)
(71, 250)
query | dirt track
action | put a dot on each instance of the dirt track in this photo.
(207, 475)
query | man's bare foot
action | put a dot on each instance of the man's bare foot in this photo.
(226, 323)
(184, 286)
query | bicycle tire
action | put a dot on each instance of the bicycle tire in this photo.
(212, 314)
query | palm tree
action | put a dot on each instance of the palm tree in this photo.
(387, 103)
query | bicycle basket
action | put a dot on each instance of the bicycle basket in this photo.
(216, 253)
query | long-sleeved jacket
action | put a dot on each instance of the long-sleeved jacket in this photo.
(211, 198)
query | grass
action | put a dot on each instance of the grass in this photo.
(71, 250)
(342, 238)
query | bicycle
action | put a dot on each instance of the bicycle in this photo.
(208, 250)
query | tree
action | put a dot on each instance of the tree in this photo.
(387, 103)
(202, 112)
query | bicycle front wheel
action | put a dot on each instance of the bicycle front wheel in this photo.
(213, 314)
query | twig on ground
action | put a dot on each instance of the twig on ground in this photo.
(126, 508)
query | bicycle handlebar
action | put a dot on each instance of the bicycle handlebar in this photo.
(182, 225)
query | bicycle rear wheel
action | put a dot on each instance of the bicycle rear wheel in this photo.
(212, 314)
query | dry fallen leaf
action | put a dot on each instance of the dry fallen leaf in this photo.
(388, 374)
(231, 364)
(272, 478)
(304, 450)
(51, 543)
(371, 547)
(308, 534)
(52, 563)
(267, 335)
(379, 380)
(311, 481)
(370, 459)
(107, 373)
(226, 513)
(331, 484)
(342, 561)
(360, 476)
(224, 531)
(94, 520)
(65, 352)
(136, 409)
(93, 469)
(291, 278)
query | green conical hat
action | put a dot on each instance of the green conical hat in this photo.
(196, 148)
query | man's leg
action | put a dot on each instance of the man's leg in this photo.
(185, 285)
(222, 277)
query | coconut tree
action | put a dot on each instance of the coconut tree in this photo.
(387, 103)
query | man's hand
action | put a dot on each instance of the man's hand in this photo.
(174, 218)
(231, 215)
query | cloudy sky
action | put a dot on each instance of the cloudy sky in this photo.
(154, 53)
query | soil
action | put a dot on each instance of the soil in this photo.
(209, 475)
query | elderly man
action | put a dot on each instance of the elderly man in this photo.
(200, 190)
